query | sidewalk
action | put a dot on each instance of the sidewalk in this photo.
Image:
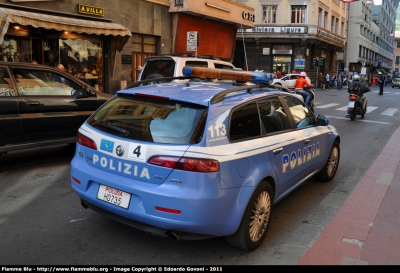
(366, 229)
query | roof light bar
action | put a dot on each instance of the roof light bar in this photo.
(224, 74)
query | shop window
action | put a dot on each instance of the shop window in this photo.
(9, 50)
(81, 58)
(298, 14)
(269, 14)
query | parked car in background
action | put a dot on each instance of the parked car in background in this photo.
(42, 105)
(195, 160)
(288, 80)
(396, 82)
(171, 66)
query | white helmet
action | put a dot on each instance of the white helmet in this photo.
(356, 78)
(380, 73)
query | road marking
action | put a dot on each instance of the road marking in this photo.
(327, 105)
(362, 120)
(389, 112)
(371, 108)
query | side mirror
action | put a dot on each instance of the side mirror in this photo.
(322, 120)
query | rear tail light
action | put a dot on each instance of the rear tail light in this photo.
(186, 164)
(85, 141)
(353, 97)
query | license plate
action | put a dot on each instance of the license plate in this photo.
(351, 104)
(114, 196)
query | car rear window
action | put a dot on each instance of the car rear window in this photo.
(151, 119)
(164, 68)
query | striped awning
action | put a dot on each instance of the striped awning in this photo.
(59, 23)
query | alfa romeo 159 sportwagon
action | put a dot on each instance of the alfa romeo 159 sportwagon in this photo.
(201, 159)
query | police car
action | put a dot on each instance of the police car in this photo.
(201, 159)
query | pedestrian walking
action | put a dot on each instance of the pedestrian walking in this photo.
(381, 82)
(320, 79)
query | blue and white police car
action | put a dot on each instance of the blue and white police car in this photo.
(199, 159)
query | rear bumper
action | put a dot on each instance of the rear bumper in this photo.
(175, 235)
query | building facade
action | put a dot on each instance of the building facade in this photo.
(384, 16)
(396, 54)
(289, 34)
(370, 36)
(105, 42)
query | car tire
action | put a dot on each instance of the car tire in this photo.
(329, 170)
(256, 219)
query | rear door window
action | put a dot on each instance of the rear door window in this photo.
(196, 64)
(245, 123)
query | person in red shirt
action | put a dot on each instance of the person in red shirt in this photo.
(299, 87)
(278, 74)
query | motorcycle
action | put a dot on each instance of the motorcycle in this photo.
(355, 107)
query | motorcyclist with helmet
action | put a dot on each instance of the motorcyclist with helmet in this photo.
(299, 87)
(363, 89)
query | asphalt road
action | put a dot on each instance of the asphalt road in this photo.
(43, 223)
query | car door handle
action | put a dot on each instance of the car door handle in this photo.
(277, 151)
(33, 103)
(306, 141)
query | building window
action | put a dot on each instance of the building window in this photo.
(342, 30)
(337, 26)
(333, 22)
(326, 20)
(298, 14)
(397, 59)
(398, 44)
(269, 14)
(320, 17)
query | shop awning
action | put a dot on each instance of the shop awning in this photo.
(59, 23)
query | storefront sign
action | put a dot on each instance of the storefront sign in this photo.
(330, 36)
(276, 29)
(248, 16)
(92, 10)
(280, 51)
(266, 51)
(299, 64)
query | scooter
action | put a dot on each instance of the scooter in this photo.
(312, 97)
(355, 107)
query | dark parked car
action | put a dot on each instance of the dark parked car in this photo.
(42, 105)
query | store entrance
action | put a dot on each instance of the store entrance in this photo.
(282, 64)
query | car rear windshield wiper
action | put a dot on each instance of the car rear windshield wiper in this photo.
(108, 126)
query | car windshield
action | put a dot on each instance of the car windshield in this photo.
(151, 119)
